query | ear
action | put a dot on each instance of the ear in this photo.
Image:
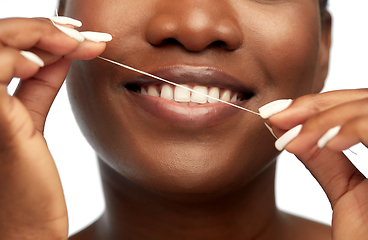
(61, 7)
(324, 52)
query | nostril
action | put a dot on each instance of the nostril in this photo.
(220, 44)
(197, 27)
(170, 41)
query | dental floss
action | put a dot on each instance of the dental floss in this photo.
(270, 129)
(175, 84)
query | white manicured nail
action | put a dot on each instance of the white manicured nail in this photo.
(71, 33)
(33, 58)
(328, 136)
(97, 36)
(66, 20)
(284, 140)
(274, 107)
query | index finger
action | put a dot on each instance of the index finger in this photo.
(21, 33)
(306, 106)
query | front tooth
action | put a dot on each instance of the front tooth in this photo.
(167, 92)
(199, 98)
(226, 95)
(181, 94)
(143, 91)
(214, 92)
(234, 98)
(152, 91)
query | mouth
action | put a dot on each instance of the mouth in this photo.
(179, 105)
(215, 84)
(186, 97)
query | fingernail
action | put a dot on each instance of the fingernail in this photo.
(274, 107)
(97, 36)
(71, 33)
(33, 58)
(66, 20)
(284, 140)
(328, 136)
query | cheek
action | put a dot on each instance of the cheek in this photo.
(285, 43)
(212, 160)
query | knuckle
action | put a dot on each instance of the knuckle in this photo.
(311, 101)
(23, 32)
(362, 124)
(8, 57)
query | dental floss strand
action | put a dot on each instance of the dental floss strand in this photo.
(189, 89)
(175, 84)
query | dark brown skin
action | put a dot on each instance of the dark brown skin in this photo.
(168, 175)
(208, 189)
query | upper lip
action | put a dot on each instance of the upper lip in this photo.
(204, 76)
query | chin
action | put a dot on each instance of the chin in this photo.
(191, 172)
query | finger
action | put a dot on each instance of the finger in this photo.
(351, 133)
(13, 64)
(316, 126)
(38, 93)
(40, 33)
(306, 106)
(87, 50)
(333, 170)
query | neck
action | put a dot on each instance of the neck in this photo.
(135, 213)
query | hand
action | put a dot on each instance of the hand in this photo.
(345, 186)
(32, 204)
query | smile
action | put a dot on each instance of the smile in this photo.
(182, 106)
(203, 81)
(188, 98)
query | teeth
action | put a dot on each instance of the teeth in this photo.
(188, 98)
(152, 91)
(226, 95)
(143, 91)
(214, 92)
(199, 98)
(234, 98)
(181, 94)
(167, 92)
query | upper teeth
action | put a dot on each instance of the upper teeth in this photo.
(182, 95)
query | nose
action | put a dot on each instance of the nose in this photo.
(195, 25)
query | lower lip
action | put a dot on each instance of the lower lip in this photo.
(170, 111)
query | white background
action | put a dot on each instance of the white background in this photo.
(296, 189)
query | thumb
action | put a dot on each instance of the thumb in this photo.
(333, 170)
(39, 92)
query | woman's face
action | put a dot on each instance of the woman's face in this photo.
(260, 50)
